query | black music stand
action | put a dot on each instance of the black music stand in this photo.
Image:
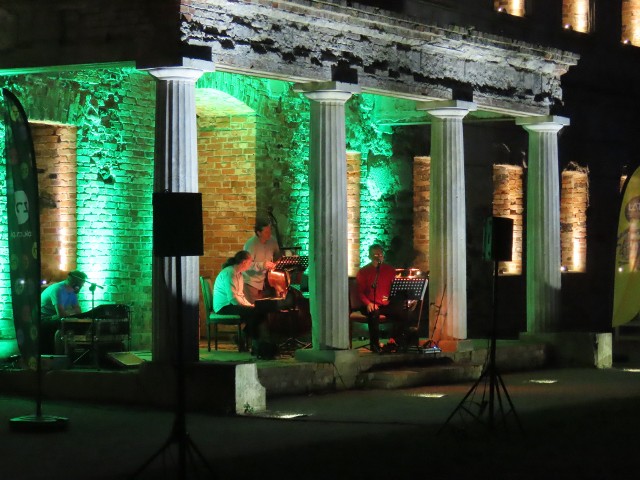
(293, 263)
(407, 289)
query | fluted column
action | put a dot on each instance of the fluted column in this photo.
(328, 270)
(175, 170)
(447, 224)
(543, 223)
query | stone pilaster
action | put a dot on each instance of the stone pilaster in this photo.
(175, 170)
(328, 270)
(447, 224)
(543, 223)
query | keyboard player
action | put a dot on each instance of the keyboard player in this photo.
(57, 301)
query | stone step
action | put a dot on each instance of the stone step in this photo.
(417, 376)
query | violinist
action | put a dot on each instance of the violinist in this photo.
(264, 251)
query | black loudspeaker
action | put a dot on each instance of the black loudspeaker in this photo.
(177, 224)
(498, 239)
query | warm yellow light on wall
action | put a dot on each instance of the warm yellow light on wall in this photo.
(512, 7)
(64, 254)
(631, 22)
(574, 201)
(575, 15)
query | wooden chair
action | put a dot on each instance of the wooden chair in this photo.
(215, 319)
(355, 304)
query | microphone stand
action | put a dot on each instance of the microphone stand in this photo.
(94, 326)
(375, 304)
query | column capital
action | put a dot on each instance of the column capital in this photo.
(543, 123)
(185, 74)
(327, 90)
(447, 108)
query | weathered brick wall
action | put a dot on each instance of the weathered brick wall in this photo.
(227, 181)
(574, 201)
(576, 14)
(508, 201)
(512, 7)
(55, 150)
(113, 114)
(353, 212)
(421, 202)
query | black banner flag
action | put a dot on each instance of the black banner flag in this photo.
(23, 221)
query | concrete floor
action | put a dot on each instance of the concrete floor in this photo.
(576, 423)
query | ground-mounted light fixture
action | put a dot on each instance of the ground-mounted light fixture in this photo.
(429, 395)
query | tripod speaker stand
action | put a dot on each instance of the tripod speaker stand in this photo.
(173, 215)
(490, 378)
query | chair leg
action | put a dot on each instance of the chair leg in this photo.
(215, 335)
(240, 339)
(208, 337)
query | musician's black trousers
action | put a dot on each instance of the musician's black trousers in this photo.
(396, 314)
(251, 316)
(47, 334)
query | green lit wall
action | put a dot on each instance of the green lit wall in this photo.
(113, 110)
(282, 155)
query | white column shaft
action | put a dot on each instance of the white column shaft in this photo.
(328, 280)
(543, 228)
(447, 223)
(175, 170)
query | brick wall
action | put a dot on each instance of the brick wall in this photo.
(111, 112)
(512, 7)
(631, 21)
(353, 212)
(227, 181)
(55, 150)
(508, 201)
(573, 219)
(576, 15)
(421, 190)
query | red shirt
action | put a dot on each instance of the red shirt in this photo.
(366, 278)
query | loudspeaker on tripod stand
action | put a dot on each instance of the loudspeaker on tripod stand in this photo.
(498, 239)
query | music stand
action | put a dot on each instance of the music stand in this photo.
(408, 288)
(297, 263)
(293, 262)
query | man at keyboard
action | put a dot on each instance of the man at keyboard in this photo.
(57, 301)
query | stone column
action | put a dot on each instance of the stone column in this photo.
(543, 223)
(328, 271)
(175, 170)
(447, 225)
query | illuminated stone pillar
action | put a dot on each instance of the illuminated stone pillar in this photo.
(543, 223)
(175, 170)
(447, 225)
(328, 285)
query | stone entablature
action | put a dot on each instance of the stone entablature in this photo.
(391, 53)
(296, 39)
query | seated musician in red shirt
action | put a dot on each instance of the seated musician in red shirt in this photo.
(374, 288)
